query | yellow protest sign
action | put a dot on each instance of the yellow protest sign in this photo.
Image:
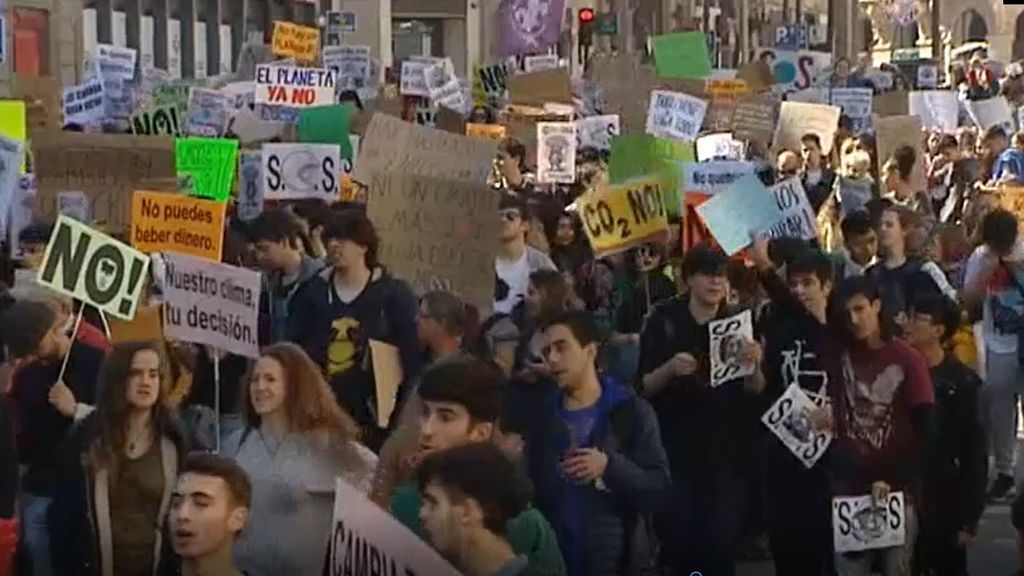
(168, 222)
(294, 41)
(1011, 199)
(621, 216)
(726, 89)
(495, 132)
(12, 122)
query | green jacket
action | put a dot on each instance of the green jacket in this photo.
(528, 534)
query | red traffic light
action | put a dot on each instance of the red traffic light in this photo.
(586, 14)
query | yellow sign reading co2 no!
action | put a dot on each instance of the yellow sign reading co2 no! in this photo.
(620, 216)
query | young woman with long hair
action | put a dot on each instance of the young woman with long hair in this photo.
(118, 468)
(295, 442)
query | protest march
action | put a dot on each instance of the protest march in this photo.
(633, 311)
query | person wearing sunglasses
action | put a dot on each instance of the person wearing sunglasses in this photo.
(516, 259)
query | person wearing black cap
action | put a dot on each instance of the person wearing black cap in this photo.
(48, 397)
(699, 424)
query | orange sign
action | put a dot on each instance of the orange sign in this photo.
(495, 132)
(169, 222)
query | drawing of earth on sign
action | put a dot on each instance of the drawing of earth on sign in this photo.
(300, 171)
(869, 523)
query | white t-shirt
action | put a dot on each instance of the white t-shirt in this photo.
(1001, 289)
(516, 276)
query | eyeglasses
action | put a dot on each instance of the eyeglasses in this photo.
(510, 214)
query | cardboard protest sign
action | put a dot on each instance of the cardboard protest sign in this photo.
(536, 88)
(74, 204)
(294, 87)
(90, 266)
(495, 132)
(682, 55)
(739, 212)
(641, 154)
(891, 104)
(387, 377)
(617, 217)
(157, 121)
(294, 41)
(361, 526)
(596, 131)
(250, 186)
(712, 177)
(327, 125)
(794, 70)
(11, 152)
(210, 303)
(854, 103)
(991, 112)
(43, 101)
(391, 145)
(556, 152)
(789, 419)
(938, 109)
(437, 234)
(895, 131)
(164, 222)
(294, 171)
(83, 104)
(208, 112)
(675, 115)
(798, 118)
(757, 74)
(210, 162)
(798, 218)
(116, 62)
(107, 167)
(859, 523)
(727, 337)
(754, 119)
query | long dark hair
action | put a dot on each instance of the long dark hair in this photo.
(112, 408)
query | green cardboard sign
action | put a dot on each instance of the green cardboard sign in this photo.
(327, 125)
(210, 163)
(682, 55)
(636, 155)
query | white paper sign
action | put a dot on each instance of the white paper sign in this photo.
(293, 86)
(710, 177)
(795, 69)
(351, 65)
(855, 103)
(675, 115)
(207, 302)
(541, 62)
(798, 218)
(293, 171)
(728, 336)
(21, 209)
(10, 165)
(359, 525)
(443, 85)
(597, 131)
(556, 152)
(83, 104)
(858, 524)
(938, 109)
(116, 62)
(789, 419)
(208, 112)
(991, 112)
(721, 146)
(250, 188)
(413, 79)
(927, 76)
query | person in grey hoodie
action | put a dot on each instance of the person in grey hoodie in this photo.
(276, 234)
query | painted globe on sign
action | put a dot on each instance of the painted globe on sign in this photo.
(785, 72)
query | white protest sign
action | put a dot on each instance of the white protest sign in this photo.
(364, 537)
(721, 146)
(597, 131)
(293, 86)
(789, 419)
(10, 163)
(90, 266)
(83, 104)
(1020, 118)
(413, 81)
(208, 112)
(927, 76)
(541, 62)
(710, 177)
(728, 337)
(938, 109)
(855, 103)
(675, 115)
(352, 67)
(443, 85)
(556, 152)
(74, 204)
(859, 524)
(794, 70)
(250, 188)
(809, 96)
(991, 112)
(206, 302)
(21, 210)
(798, 118)
(292, 171)
(116, 62)
(798, 218)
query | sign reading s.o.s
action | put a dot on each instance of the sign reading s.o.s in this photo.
(859, 523)
(621, 216)
(292, 171)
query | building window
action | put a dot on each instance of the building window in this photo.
(30, 40)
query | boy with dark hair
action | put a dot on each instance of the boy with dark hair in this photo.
(287, 270)
(516, 259)
(208, 510)
(860, 241)
(48, 396)
(595, 456)
(799, 350)
(470, 494)
(956, 463)
(346, 305)
(816, 178)
(699, 424)
(461, 399)
(994, 282)
(882, 406)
